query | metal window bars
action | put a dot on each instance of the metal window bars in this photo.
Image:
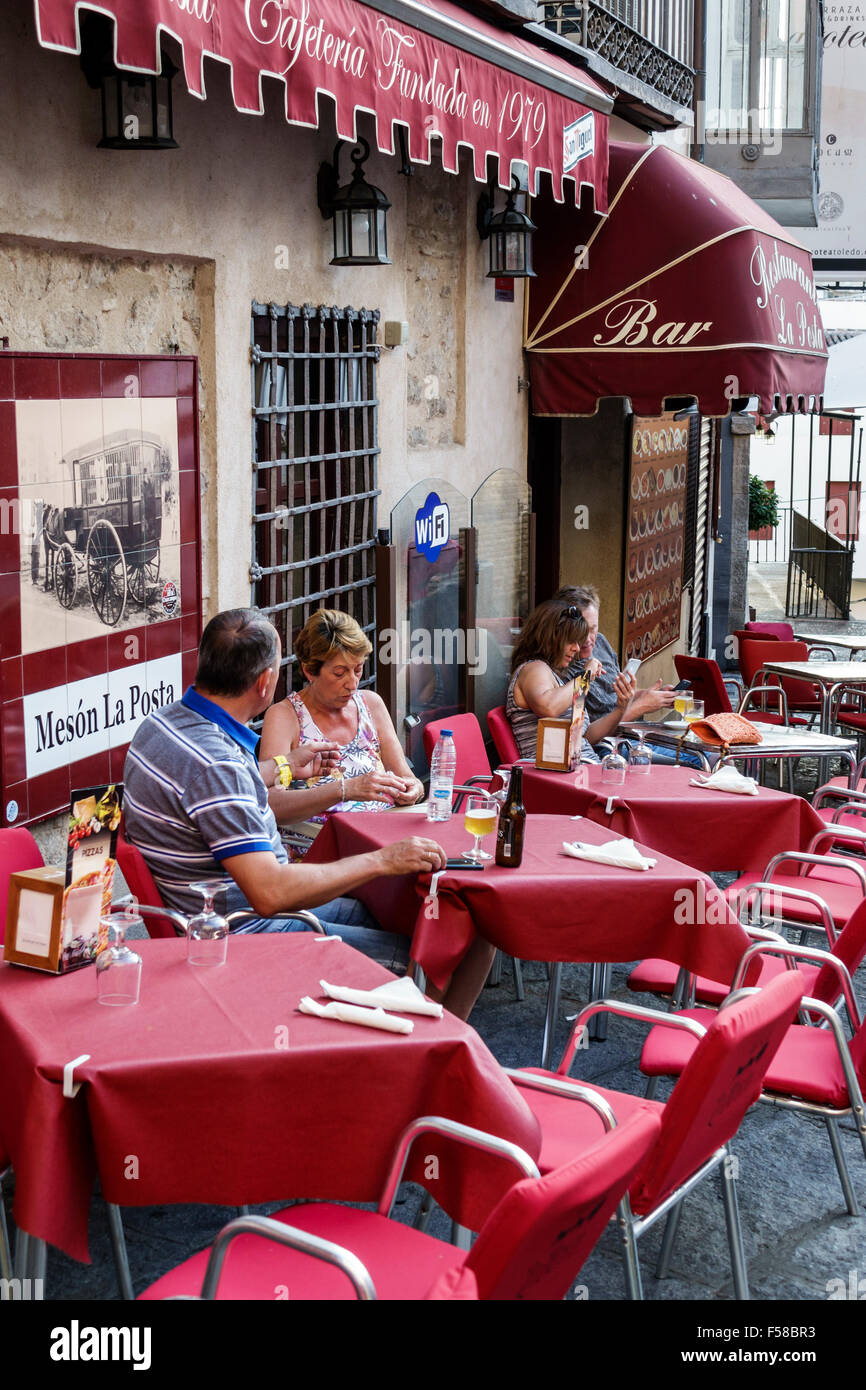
(314, 451)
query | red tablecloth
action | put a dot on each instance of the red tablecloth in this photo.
(213, 1088)
(551, 908)
(714, 831)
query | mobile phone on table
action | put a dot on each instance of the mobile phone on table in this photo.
(632, 666)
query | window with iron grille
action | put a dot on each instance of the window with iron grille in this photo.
(315, 446)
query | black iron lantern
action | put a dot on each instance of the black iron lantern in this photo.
(136, 106)
(359, 210)
(510, 236)
(136, 110)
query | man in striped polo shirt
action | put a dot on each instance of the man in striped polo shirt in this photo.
(197, 807)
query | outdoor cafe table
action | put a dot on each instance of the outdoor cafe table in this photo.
(223, 1093)
(711, 830)
(552, 908)
(846, 640)
(777, 741)
(826, 674)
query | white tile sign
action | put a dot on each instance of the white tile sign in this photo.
(70, 722)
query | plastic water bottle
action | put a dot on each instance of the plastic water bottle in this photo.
(443, 769)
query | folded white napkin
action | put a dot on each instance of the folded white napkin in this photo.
(727, 779)
(399, 996)
(622, 854)
(350, 1013)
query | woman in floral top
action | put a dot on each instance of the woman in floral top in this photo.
(372, 773)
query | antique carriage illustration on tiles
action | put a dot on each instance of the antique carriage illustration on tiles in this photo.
(107, 542)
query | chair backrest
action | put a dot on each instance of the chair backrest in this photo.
(783, 631)
(723, 1077)
(503, 738)
(743, 634)
(707, 683)
(139, 880)
(850, 948)
(472, 759)
(18, 851)
(538, 1236)
(753, 654)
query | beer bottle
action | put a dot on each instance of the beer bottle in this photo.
(512, 823)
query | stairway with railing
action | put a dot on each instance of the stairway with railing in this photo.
(819, 572)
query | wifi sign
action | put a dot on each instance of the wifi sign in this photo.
(432, 527)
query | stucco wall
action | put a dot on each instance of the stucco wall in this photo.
(109, 250)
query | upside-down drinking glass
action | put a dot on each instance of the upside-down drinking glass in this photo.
(613, 769)
(118, 969)
(208, 932)
(640, 758)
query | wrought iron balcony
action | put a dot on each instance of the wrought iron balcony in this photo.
(644, 47)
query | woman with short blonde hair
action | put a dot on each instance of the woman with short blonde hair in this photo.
(330, 631)
(372, 773)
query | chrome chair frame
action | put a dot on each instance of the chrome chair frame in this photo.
(338, 1255)
(830, 1114)
(671, 1206)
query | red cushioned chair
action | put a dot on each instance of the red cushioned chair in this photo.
(842, 781)
(841, 805)
(531, 1246)
(815, 1070)
(802, 695)
(503, 738)
(724, 1077)
(473, 774)
(140, 882)
(473, 764)
(819, 981)
(782, 631)
(708, 684)
(161, 920)
(18, 852)
(806, 887)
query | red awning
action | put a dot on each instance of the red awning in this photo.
(686, 289)
(445, 75)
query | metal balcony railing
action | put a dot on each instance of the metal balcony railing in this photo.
(650, 41)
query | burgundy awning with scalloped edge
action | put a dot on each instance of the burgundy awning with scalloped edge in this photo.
(491, 91)
(686, 289)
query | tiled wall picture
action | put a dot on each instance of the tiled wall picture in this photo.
(100, 593)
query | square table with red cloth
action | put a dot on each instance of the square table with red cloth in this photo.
(223, 1093)
(551, 908)
(712, 830)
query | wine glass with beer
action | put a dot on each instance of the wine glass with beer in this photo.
(480, 821)
(683, 703)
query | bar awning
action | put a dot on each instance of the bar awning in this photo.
(686, 289)
(431, 68)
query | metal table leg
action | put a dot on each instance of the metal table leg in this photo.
(553, 992)
(599, 988)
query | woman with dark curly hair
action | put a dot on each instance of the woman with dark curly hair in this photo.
(549, 641)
